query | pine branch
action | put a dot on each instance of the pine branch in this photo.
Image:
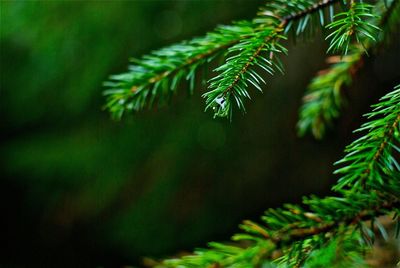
(297, 15)
(344, 250)
(295, 232)
(370, 173)
(354, 22)
(262, 50)
(315, 228)
(324, 100)
(370, 158)
(155, 77)
(231, 83)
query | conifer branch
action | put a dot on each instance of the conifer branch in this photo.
(342, 251)
(354, 22)
(334, 214)
(370, 158)
(315, 7)
(370, 173)
(277, 17)
(297, 231)
(231, 83)
(155, 77)
(324, 99)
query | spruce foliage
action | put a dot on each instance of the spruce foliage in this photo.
(321, 232)
(300, 233)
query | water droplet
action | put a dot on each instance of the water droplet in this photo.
(221, 101)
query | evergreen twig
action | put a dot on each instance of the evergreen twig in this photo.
(323, 100)
(300, 231)
(155, 77)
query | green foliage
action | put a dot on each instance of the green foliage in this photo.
(345, 250)
(370, 159)
(224, 255)
(321, 232)
(301, 232)
(298, 16)
(156, 77)
(324, 99)
(354, 22)
(326, 231)
(245, 45)
(390, 19)
(230, 86)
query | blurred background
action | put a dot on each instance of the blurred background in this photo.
(79, 189)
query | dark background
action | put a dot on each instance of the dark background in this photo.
(79, 189)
